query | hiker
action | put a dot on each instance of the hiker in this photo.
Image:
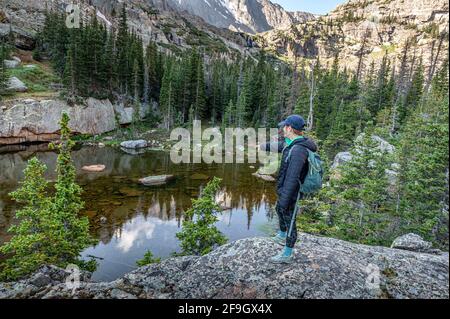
(293, 170)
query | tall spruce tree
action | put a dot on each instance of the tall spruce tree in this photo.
(3, 72)
(167, 96)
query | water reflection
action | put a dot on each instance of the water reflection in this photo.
(129, 219)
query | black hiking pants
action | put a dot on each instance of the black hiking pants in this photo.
(285, 217)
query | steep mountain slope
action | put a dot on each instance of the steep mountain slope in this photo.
(369, 28)
(240, 15)
(170, 29)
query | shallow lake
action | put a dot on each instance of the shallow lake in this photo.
(127, 218)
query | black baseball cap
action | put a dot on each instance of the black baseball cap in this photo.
(295, 121)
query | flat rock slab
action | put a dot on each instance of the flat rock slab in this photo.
(94, 168)
(323, 268)
(134, 144)
(156, 180)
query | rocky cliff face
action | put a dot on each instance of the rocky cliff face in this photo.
(323, 268)
(29, 120)
(170, 29)
(240, 15)
(385, 24)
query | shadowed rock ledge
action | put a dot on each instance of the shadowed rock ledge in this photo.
(323, 268)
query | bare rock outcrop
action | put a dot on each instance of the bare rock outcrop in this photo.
(384, 25)
(324, 268)
(38, 121)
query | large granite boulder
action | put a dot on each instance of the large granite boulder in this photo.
(382, 145)
(15, 85)
(32, 121)
(137, 144)
(124, 114)
(415, 243)
(323, 268)
(23, 39)
(341, 158)
(11, 64)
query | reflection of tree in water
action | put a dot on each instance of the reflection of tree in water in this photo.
(117, 196)
(171, 201)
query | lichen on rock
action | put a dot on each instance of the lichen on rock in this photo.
(323, 268)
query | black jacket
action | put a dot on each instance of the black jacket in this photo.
(291, 169)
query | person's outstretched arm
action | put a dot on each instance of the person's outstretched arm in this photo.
(274, 146)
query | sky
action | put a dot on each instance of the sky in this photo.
(313, 6)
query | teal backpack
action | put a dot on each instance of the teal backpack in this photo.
(314, 178)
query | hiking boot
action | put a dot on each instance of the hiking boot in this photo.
(279, 239)
(282, 259)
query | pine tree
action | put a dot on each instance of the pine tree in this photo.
(152, 59)
(123, 48)
(28, 244)
(69, 76)
(199, 101)
(440, 81)
(364, 205)
(257, 100)
(379, 90)
(166, 98)
(50, 230)
(414, 95)
(328, 99)
(244, 100)
(109, 74)
(3, 72)
(70, 231)
(229, 115)
(423, 159)
(199, 235)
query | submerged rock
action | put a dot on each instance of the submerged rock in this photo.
(323, 268)
(94, 168)
(199, 176)
(156, 180)
(131, 151)
(267, 178)
(130, 192)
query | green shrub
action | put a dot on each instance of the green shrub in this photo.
(199, 236)
(148, 259)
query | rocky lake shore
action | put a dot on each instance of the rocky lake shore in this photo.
(324, 268)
